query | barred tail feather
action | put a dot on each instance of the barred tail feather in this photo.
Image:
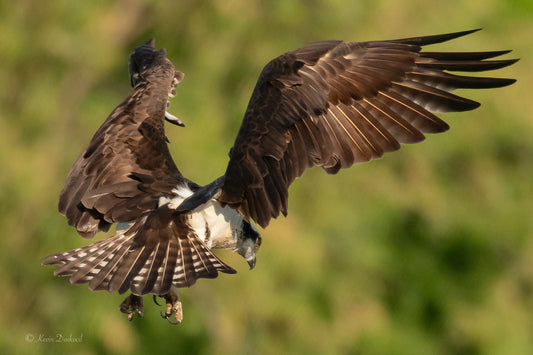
(141, 259)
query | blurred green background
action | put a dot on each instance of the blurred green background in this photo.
(427, 251)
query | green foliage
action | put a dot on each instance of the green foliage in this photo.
(427, 251)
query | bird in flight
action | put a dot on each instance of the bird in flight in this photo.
(330, 104)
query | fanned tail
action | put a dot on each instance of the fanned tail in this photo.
(155, 253)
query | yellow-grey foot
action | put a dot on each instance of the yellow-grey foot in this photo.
(132, 304)
(174, 307)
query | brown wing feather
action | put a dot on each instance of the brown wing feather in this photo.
(334, 104)
(127, 165)
(120, 177)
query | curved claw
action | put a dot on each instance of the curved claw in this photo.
(173, 321)
(167, 317)
(163, 315)
(155, 300)
(173, 306)
(167, 314)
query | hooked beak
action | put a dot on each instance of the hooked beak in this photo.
(251, 261)
(250, 245)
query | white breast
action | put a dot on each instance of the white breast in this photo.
(215, 225)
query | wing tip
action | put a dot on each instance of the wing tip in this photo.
(434, 39)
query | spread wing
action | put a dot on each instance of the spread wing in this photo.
(333, 104)
(125, 169)
(121, 177)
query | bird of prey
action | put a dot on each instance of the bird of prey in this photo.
(330, 104)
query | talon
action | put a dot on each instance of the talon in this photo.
(167, 314)
(132, 304)
(164, 315)
(173, 321)
(174, 307)
(155, 300)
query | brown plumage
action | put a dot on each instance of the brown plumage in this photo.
(330, 104)
(333, 104)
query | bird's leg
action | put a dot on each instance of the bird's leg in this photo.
(174, 307)
(170, 117)
(132, 304)
(173, 119)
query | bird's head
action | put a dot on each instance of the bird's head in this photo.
(248, 243)
(147, 63)
(146, 59)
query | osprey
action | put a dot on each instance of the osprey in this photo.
(330, 104)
